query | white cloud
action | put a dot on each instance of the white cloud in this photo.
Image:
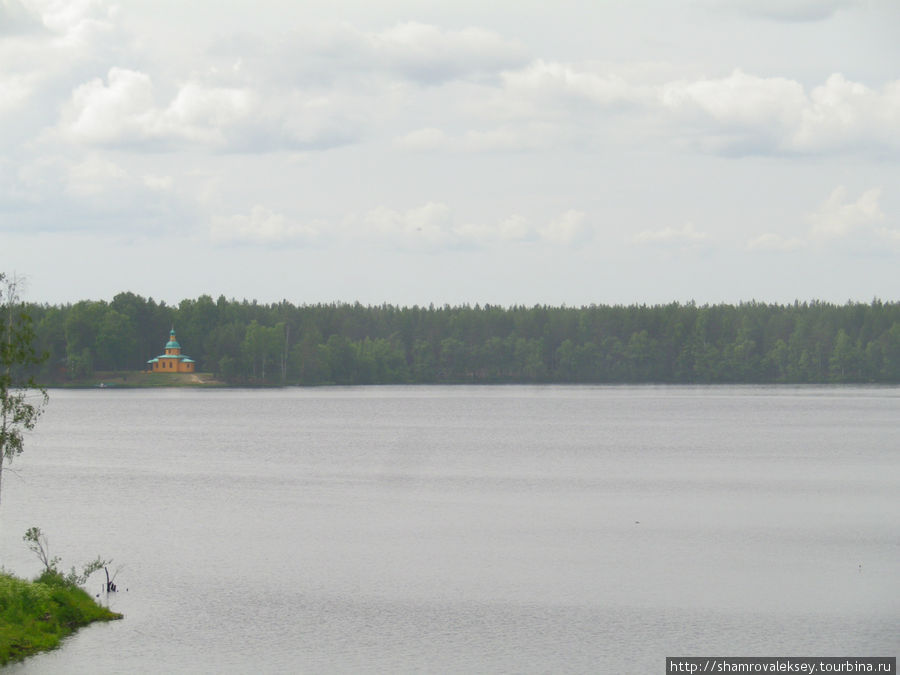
(739, 113)
(41, 45)
(737, 99)
(551, 123)
(513, 229)
(687, 234)
(95, 177)
(429, 54)
(57, 193)
(14, 91)
(428, 225)
(158, 183)
(787, 10)
(301, 121)
(512, 138)
(123, 108)
(838, 216)
(261, 226)
(74, 22)
(750, 114)
(424, 139)
(96, 184)
(506, 138)
(323, 55)
(432, 226)
(124, 111)
(775, 242)
(205, 114)
(16, 19)
(565, 82)
(891, 234)
(322, 87)
(844, 114)
(568, 228)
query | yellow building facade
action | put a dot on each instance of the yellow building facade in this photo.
(173, 361)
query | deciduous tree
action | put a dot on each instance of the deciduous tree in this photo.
(21, 400)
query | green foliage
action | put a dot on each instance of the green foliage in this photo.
(21, 400)
(36, 616)
(37, 543)
(248, 343)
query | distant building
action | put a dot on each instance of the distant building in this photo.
(173, 361)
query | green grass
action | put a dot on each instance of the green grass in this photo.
(37, 615)
(140, 379)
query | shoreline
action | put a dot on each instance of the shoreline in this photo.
(38, 615)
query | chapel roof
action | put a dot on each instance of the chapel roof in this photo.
(172, 343)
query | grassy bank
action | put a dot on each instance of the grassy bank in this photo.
(140, 379)
(36, 616)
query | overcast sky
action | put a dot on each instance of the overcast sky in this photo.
(410, 152)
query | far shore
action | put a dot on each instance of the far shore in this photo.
(137, 379)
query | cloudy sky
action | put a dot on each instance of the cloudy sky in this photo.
(404, 151)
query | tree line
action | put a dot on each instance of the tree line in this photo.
(249, 343)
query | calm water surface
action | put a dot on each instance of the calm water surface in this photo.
(464, 529)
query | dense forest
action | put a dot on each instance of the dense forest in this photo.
(248, 343)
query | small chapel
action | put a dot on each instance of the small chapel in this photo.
(173, 361)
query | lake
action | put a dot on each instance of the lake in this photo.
(467, 529)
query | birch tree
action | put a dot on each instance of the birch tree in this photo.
(21, 400)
